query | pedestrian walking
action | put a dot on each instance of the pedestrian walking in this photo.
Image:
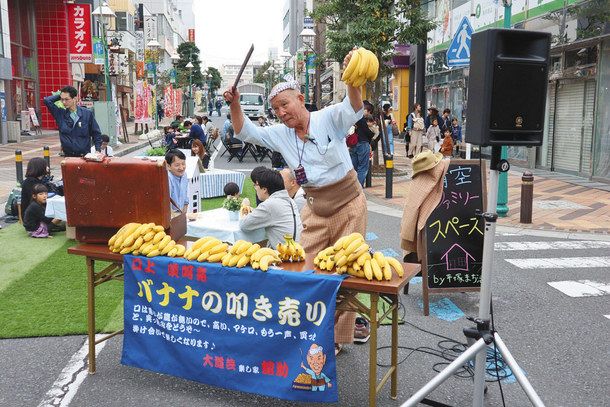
(313, 145)
(456, 134)
(78, 128)
(390, 124)
(210, 107)
(218, 106)
(415, 127)
(365, 129)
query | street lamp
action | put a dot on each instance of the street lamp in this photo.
(154, 48)
(105, 14)
(190, 67)
(307, 36)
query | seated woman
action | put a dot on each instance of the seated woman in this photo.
(277, 212)
(35, 172)
(198, 150)
(34, 220)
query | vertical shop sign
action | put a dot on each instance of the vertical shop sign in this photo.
(79, 32)
(191, 35)
(98, 51)
(139, 46)
(150, 28)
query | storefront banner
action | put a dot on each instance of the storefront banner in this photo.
(269, 333)
(139, 46)
(98, 51)
(143, 101)
(79, 32)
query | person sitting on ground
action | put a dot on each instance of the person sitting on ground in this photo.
(231, 189)
(447, 145)
(175, 161)
(198, 150)
(36, 170)
(34, 220)
(277, 212)
(105, 149)
(294, 189)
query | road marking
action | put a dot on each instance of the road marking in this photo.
(557, 245)
(444, 309)
(581, 288)
(69, 380)
(389, 253)
(561, 262)
(371, 236)
(607, 316)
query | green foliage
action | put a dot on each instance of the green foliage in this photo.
(188, 51)
(263, 76)
(156, 152)
(216, 79)
(374, 24)
(594, 15)
(232, 203)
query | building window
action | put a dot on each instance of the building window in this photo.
(121, 21)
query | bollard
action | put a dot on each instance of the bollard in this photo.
(369, 175)
(389, 174)
(47, 156)
(527, 197)
(19, 165)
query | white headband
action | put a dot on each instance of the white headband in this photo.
(282, 86)
(315, 351)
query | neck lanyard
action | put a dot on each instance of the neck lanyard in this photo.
(296, 141)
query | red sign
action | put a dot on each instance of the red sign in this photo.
(191, 35)
(79, 32)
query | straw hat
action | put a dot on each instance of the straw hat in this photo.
(425, 161)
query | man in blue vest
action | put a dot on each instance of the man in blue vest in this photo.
(77, 125)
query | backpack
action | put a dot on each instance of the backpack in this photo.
(352, 138)
(11, 204)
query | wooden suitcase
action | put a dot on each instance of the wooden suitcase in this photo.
(103, 196)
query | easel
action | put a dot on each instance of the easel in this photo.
(483, 334)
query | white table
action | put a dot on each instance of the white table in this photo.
(213, 182)
(56, 208)
(216, 223)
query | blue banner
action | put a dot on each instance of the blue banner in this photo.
(267, 333)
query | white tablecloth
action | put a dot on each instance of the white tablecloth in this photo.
(56, 208)
(216, 223)
(214, 181)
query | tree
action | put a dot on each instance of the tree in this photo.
(261, 76)
(216, 79)
(188, 51)
(374, 24)
(593, 18)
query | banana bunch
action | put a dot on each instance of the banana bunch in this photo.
(351, 254)
(245, 209)
(291, 250)
(363, 66)
(146, 239)
(207, 249)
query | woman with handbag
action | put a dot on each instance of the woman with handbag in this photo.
(415, 126)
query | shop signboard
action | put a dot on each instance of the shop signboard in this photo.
(98, 51)
(232, 328)
(3, 106)
(150, 28)
(191, 35)
(486, 13)
(308, 23)
(79, 32)
(311, 63)
(139, 45)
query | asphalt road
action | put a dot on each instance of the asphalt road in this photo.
(561, 342)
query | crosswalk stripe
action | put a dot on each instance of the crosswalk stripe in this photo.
(557, 245)
(561, 262)
(581, 288)
(607, 316)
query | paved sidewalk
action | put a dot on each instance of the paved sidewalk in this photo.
(33, 147)
(561, 202)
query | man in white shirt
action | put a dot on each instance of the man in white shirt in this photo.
(294, 189)
(105, 149)
(277, 212)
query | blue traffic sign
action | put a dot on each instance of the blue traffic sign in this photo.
(458, 53)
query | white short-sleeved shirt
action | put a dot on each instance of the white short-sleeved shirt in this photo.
(326, 158)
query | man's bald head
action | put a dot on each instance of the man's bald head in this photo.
(290, 182)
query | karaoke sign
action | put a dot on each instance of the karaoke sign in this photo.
(79, 32)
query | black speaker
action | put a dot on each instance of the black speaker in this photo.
(507, 87)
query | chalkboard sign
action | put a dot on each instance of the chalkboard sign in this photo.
(454, 233)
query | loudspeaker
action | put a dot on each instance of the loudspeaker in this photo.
(507, 87)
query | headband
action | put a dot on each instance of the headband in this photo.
(282, 86)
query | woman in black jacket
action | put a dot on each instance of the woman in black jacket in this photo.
(35, 172)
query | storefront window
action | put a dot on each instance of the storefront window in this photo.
(601, 147)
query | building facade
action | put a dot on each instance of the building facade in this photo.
(577, 127)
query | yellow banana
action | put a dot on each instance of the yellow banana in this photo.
(203, 256)
(172, 253)
(396, 265)
(187, 252)
(125, 250)
(363, 257)
(200, 242)
(252, 249)
(149, 236)
(215, 258)
(373, 68)
(168, 247)
(219, 248)
(338, 244)
(376, 270)
(158, 228)
(351, 238)
(226, 258)
(358, 252)
(242, 248)
(194, 254)
(138, 243)
(368, 271)
(341, 261)
(147, 248)
(380, 259)
(351, 67)
(255, 265)
(266, 261)
(330, 263)
(262, 252)
(353, 246)
(158, 236)
(234, 260)
(164, 242)
(387, 272)
(136, 253)
(180, 249)
(210, 244)
(323, 265)
(153, 253)
(363, 64)
(243, 261)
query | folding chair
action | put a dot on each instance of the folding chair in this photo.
(263, 152)
(234, 150)
(248, 148)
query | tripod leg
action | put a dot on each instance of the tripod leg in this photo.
(479, 346)
(523, 382)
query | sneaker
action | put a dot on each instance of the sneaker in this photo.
(362, 331)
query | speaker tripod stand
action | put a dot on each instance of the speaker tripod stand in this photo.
(483, 334)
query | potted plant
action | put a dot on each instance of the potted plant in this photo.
(232, 204)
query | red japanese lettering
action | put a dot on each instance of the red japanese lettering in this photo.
(230, 364)
(149, 267)
(201, 274)
(207, 360)
(136, 264)
(172, 270)
(281, 369)
(268, 367)
(219, 362)
(187, 271)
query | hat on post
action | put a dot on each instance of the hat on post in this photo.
(425, 161)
